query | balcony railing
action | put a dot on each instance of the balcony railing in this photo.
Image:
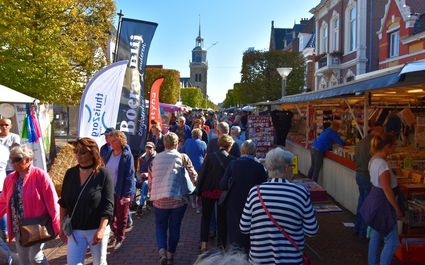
(322, 62)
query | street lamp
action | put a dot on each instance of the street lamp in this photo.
(284, 72)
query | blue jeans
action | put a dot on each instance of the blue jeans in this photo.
(168, 221)
(143, 193)
(77, 247)
(390, 244)
(364, 188)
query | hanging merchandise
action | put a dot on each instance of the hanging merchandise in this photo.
(31, 129)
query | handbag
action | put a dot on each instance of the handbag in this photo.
(186, 185)
(66, 223)
(224, 193)
(306, 259)
(35, 230)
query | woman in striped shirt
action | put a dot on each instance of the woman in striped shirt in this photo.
(289, 204)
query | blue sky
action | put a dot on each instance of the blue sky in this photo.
(235, 25)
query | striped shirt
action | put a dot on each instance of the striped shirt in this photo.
(291, 207)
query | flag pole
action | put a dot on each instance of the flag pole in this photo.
(120, 15)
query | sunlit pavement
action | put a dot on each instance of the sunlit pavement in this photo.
(335, 243)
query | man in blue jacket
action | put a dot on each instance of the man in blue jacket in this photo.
(323, 143)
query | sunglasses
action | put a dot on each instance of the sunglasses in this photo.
(4, 125)
(16, 159)
(81, 152)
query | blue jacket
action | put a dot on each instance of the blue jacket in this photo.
(187, 132)
(378, 213)
(105, 152)
(196, 149)
(326, 139)
(126, 182)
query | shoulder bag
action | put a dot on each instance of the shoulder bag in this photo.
(186, 185)
(224, 193)
(66, 224)
(306, 259)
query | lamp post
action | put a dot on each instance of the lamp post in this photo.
(284, 72)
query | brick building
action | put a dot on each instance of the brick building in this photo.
(346, 40)
(402, 32)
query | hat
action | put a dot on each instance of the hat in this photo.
(108, 131)
(150, 144)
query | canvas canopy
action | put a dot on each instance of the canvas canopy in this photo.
(12, 96)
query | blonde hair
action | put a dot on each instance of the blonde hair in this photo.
(196, 133)
(225, 141)
(171, 140)
(120, 136)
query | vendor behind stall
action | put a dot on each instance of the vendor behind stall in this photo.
(323, 143)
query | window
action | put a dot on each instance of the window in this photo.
(200, 78)
(352, 29)
(324, 38)
(394, 43)
(335, 34)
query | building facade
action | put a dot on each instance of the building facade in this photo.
(402, 33)
(199, 65)
(346, 41)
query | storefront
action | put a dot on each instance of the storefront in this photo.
(397, 92)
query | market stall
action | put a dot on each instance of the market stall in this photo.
(31, 121)
(396, 93)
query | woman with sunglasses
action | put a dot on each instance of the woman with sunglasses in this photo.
(93, 212)
(28, 192)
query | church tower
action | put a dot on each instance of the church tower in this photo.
(199, 65)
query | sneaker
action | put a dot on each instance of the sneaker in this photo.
(118, 245)
(129, 223)
(198, 211)
(139, 210)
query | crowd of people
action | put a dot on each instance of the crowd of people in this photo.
(252, 208)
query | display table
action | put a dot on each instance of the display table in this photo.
(317, 192)
(337, 176)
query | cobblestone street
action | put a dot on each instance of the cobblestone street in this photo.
(335, 243)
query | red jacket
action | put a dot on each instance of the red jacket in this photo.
(38, 195)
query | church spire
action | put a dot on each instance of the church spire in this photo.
(199, 39)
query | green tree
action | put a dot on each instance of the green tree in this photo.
(169, 92)
(50, 48)
(260, 81)
(192, 97)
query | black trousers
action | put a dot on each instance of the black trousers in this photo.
(208, 206)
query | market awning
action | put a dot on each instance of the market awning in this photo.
(12, 96)
(408, 75)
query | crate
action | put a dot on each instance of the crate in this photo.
(411, 249)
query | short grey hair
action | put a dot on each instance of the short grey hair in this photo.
(171, 140)
(236, 129)
(22, 151)
(223, 127)
(277, 162)
(248, 148)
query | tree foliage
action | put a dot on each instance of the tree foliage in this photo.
(193, 97)
(50, 48)
(260, 80)
(169, 92)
